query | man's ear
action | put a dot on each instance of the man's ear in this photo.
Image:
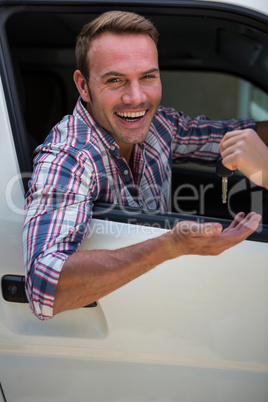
(81, 85)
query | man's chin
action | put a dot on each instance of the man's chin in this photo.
(138, 139)
(135, 136)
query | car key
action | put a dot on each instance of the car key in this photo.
(224, 173)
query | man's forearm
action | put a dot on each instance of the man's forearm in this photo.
(89, 275)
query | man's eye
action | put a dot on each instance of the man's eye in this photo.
(149, 76)
(112, 80)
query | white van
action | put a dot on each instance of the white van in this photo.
(193, 329)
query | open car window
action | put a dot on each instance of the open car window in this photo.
(196, 189)
(214, 66)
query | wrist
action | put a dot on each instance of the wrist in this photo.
(172, 245)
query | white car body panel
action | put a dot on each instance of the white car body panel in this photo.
(260, 6)
(201, 319)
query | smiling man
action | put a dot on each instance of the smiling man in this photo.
(116, 147)
(124, 89)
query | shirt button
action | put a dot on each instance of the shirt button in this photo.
(112, 147)
(125, 172)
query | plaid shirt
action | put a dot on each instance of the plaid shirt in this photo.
(80, 163)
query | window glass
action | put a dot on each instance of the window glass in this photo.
(216, 95)
(196, 189)
(253, 102)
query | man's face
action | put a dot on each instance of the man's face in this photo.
(124, 85)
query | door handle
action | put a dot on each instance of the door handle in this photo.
(13, 289)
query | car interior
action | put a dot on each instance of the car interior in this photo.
(198, 48)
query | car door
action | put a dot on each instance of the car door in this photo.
(192, 329)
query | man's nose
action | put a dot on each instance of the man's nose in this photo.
(134, 94)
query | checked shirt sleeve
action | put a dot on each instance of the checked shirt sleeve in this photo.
(198, 139)
(58, 212)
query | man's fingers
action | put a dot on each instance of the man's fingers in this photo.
(229, 139)
(241, 224)
(252, 221)
(208, 238)
(242, 227)
(238, 218)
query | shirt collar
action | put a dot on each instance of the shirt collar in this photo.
(81, 112)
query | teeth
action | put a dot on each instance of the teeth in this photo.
(133, 115)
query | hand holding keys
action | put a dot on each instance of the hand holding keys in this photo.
(223, 172)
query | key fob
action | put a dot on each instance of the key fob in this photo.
(222, 171)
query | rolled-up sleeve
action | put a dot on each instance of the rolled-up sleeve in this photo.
(197, 139)
(58, 212)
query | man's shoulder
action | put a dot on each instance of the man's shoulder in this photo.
(166, 117)
(163, 110)
(70, 140)
(71, 131)
(168, 113)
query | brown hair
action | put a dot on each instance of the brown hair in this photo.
(111, 21)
